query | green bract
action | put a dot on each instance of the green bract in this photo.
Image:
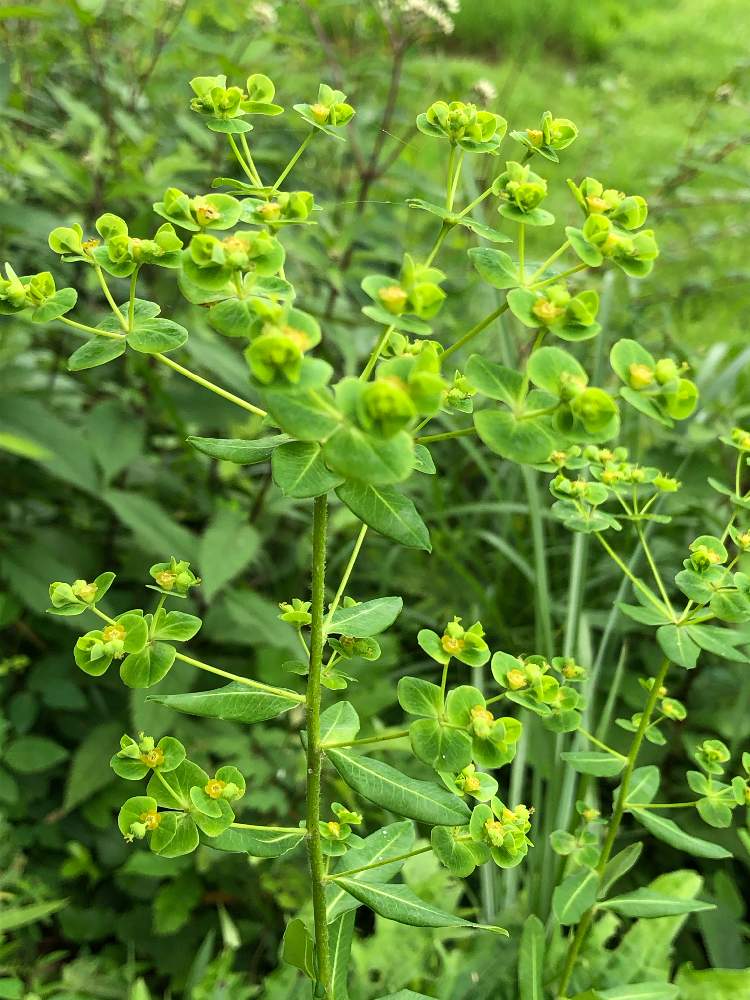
(521, 192)
(329, 112)
(463, 125)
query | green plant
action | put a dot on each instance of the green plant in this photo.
(360, 440)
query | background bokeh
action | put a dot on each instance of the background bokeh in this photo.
(96, 473)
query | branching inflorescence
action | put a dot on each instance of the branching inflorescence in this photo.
(361, 437)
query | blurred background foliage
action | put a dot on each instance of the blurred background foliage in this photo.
(96, 473)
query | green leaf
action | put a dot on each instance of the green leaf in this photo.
(340, 934)
(549, 367)
(644, 784)
(365, 458)
(152, 664)
(234, 703)
(258, 843)
(531, 960)
(228, 546)
(300, 472)
(388, 512)
(176, 793)
(459, 857)
(399, 903)
(176, 626)
(641, 991)
(95, 352)
(719, 641)
(620, 865)
(298, 949)
(12, 917)
(672, 834)
(495, 381)
(677, 645)
(648, 903)
(55, 306)
(366, 618)
(406, 796)
(157, 336)
(644, 616)
(601, 765)
(33, 754)
(309, 414)
(495, 267)
(339, 723)
(420, 697)
(575, 895)
(713, 984)
(390, 841)
(525, 441)
(238, 450)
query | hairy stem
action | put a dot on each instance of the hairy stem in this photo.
(314, 750)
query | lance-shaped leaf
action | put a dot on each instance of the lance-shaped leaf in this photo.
(367, 618)
(238, 450)
(258, 842)
(648, 903)
(390, 842)
(399, 903)
(339, 723)
(298, 948)
(531, 960)
(95, 352)
(574, 895)
(640, 991)
(387, 511)
(678, 646)
(406, 796)
(672, 834)
(340, 935)
(233, 703)
(601, 765)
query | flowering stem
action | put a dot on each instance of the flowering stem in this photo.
(108, 295)
(314, 748)
(382, 738)
(559, 277)
(224, 393)
(282, 176)
(522, 252)
(241, 159)
(598, 743)
(346, 575)
(444, 230)
(131, 299)
(614, 824)
(249, 158)
(550, 260)
(91, 329)
(477, 201)
(428, 438)
(379, 348)
(270, 829)
(380, 864)
(470, 334)
(639, 584)
(654, 569)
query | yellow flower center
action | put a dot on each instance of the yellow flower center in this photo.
(113, 633)
(535, 136)
(640, 375)
(334, 828)
(596, 205)
(298, 337)
(495, 832)
(393, 298)
(516, 679)
(546, 311)
(451, 645)
(154, 758)
(214, 788)
(166, 579)
(150, 819)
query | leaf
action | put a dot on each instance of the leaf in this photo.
(234, 703)
(495, 381)
(12, 917)
(524, 441)
(33, 754)
(640, 991)
(648, 903)
(238, 450)
(531, 960)
(399, 903)
(89, 769)
(365, 458)
(367, 618)
(258, 843)
(390, 841)
(713, 984)
(298, 949)
(677, 645)
(152, 664)
(495, 267)
(300, 472)
(672, 834)
(55, 306)
(340, 935)
(339, 723)
(176, 626)
(229, 544)
(601, 765)
(644, 616)
(385, 786)
(575, 895)
(157, 336)
(619, 865)
(155, 530)
(420, 697)
(644, 784)
(95, 352)
(387, 511)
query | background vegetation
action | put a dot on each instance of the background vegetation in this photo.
(96, 472)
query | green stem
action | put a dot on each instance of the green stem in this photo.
(271, 829)
(240, 159)
(550, 260)
(661, 805)
(249, 158)
(446, 436)
(131, 298)
(285, 172)
(345, 578)
(444, 230)
(614, 824)
(559, 277)
(380, 864)
(91, 329)
(477, 201)
(199, 380)
(449, 181)
(378, 350)
(639, 584)
(598, 743)
(454, 183)
(314, 749)
(108, 295)
(382, 738)
(654, 570)
(522, 252)
(470, 334)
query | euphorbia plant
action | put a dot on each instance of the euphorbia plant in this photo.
(360, 438)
